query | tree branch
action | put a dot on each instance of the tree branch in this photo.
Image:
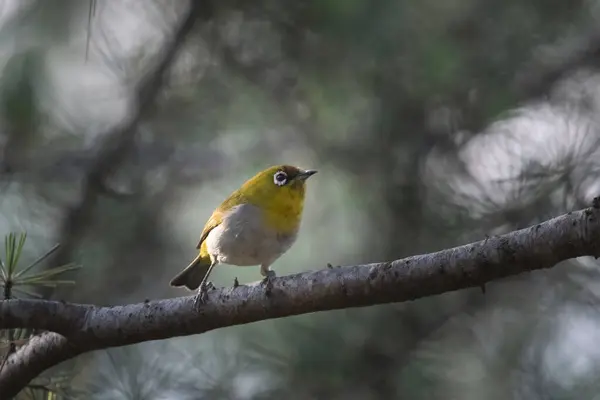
(81, 328)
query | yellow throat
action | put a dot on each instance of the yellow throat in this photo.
(282, 204)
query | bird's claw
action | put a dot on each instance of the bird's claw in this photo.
(269, 275)
(268, 282)
(202, 295)
(200, 299)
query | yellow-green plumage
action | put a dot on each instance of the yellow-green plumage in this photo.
(255, 225)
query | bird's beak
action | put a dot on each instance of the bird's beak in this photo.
(302, 176)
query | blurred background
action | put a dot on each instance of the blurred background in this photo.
(432, 123)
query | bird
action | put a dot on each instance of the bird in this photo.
(254, 225)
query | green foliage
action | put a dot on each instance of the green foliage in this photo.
(18, 94)
(16, 279)
(52, 23)
(19, 279)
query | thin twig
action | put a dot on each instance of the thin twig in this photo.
(91, 14)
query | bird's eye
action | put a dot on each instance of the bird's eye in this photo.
(280, 178)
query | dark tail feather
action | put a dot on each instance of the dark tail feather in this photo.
(192, 275)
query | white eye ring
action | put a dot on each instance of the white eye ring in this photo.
(280, 178)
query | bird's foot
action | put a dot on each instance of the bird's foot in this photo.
(269, 275)
(268, 281)
(202, 294)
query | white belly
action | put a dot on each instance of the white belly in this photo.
(242, 239)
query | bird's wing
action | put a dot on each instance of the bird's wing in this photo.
(235, 198)
(215, 220)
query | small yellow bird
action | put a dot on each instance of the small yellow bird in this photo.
(255, 225)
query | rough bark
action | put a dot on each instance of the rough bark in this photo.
(78, 328)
